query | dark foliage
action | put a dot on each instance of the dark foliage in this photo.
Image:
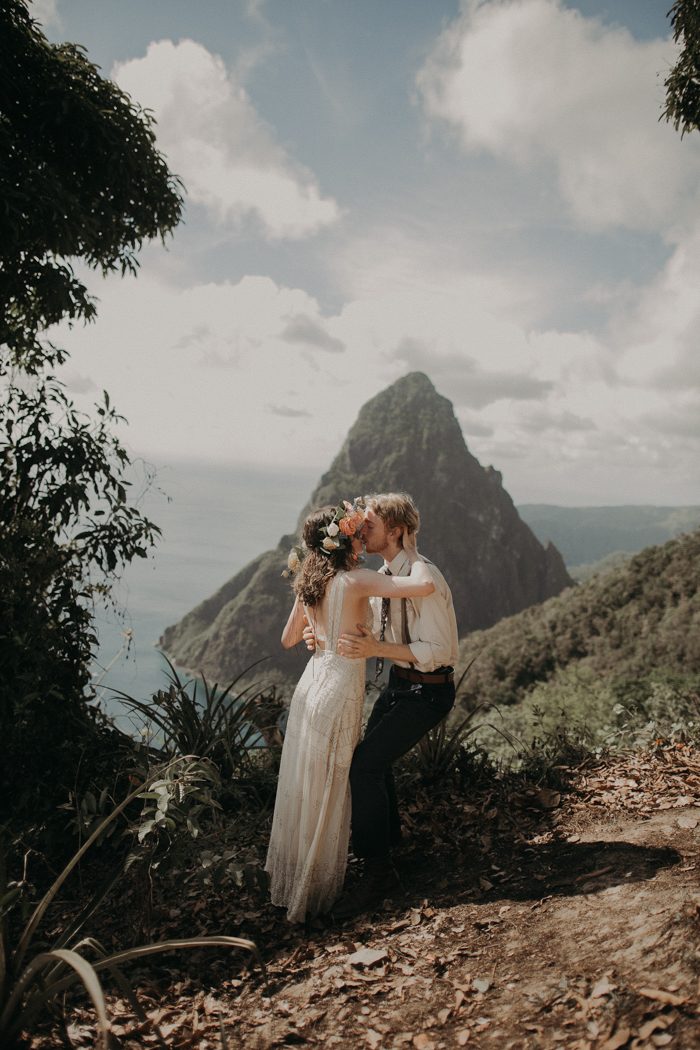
(682, 85)
(80, 179)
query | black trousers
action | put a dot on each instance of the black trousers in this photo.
(402, 714)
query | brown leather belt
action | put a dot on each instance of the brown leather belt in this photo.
(441, 676)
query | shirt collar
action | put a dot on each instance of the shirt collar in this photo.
(397, 564)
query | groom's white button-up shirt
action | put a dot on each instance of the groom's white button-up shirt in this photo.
(432, 626)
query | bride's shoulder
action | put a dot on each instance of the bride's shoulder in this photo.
(358, 577)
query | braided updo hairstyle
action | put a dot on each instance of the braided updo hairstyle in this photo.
(319, 567)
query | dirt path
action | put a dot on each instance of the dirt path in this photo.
(584, 935)
(527, 918)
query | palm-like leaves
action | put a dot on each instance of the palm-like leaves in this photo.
(217, 726)
(437, 751)
(26, 989)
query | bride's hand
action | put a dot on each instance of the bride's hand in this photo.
(309, 636)
(410, 545)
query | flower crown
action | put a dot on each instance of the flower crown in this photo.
(345, 523)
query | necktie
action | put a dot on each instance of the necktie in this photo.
(383, 619)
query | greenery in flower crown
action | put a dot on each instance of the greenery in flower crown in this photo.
(345, 523)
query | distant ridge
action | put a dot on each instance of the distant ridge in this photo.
(585, 535)
(406, 438)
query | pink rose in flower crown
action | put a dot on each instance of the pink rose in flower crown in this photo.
(351, 523)
(347, 526)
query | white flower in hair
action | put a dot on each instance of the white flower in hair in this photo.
(329, 544)
(293, 561)
(332, 529)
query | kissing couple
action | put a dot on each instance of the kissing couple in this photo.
(346, 614)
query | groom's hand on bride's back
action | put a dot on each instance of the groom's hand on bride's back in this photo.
(357, 646)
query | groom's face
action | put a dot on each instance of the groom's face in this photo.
(374, 533)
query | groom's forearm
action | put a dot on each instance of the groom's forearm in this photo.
(365, 646)
(392, 651)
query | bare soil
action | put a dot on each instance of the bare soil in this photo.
(526, 917)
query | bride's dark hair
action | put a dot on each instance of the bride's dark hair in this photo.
(319, 567)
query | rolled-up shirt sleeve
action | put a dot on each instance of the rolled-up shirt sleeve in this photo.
(433, 633)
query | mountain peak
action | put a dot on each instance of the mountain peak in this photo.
(406, 438)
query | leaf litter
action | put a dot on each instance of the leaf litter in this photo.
(526, 917)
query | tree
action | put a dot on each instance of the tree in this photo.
(81, 180)
(682, 85)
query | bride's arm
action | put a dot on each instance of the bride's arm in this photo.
(294, 628)
(418, 585)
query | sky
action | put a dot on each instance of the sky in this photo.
(482, 191)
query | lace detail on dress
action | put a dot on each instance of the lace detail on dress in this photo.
(307, 855)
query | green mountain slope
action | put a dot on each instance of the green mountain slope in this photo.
(633, 622)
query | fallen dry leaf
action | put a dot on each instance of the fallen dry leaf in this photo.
(651, 1026)
(547, 798)
(618, 1039)
(593, 874)
(367, 957)
(660, 995)
(601, 988)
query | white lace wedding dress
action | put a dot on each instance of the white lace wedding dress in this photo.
(307, 855)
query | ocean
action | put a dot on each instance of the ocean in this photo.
(214, 520)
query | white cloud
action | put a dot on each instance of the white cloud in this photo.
(240, 372)
(289, 413)
(204, 373)
(469, 383)
(538, 84)
(658, 337)
(215, 141)
(305, 330)
(567, 415)
(76, 382)
(46, 13)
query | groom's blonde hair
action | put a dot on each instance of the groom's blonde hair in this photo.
(396, 509)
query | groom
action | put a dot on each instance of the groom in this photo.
(420, 637)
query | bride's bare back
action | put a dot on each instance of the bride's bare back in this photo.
(355, 610)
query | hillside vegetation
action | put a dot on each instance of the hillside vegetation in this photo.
(622, 648)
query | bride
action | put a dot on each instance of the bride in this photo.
(308, 849)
